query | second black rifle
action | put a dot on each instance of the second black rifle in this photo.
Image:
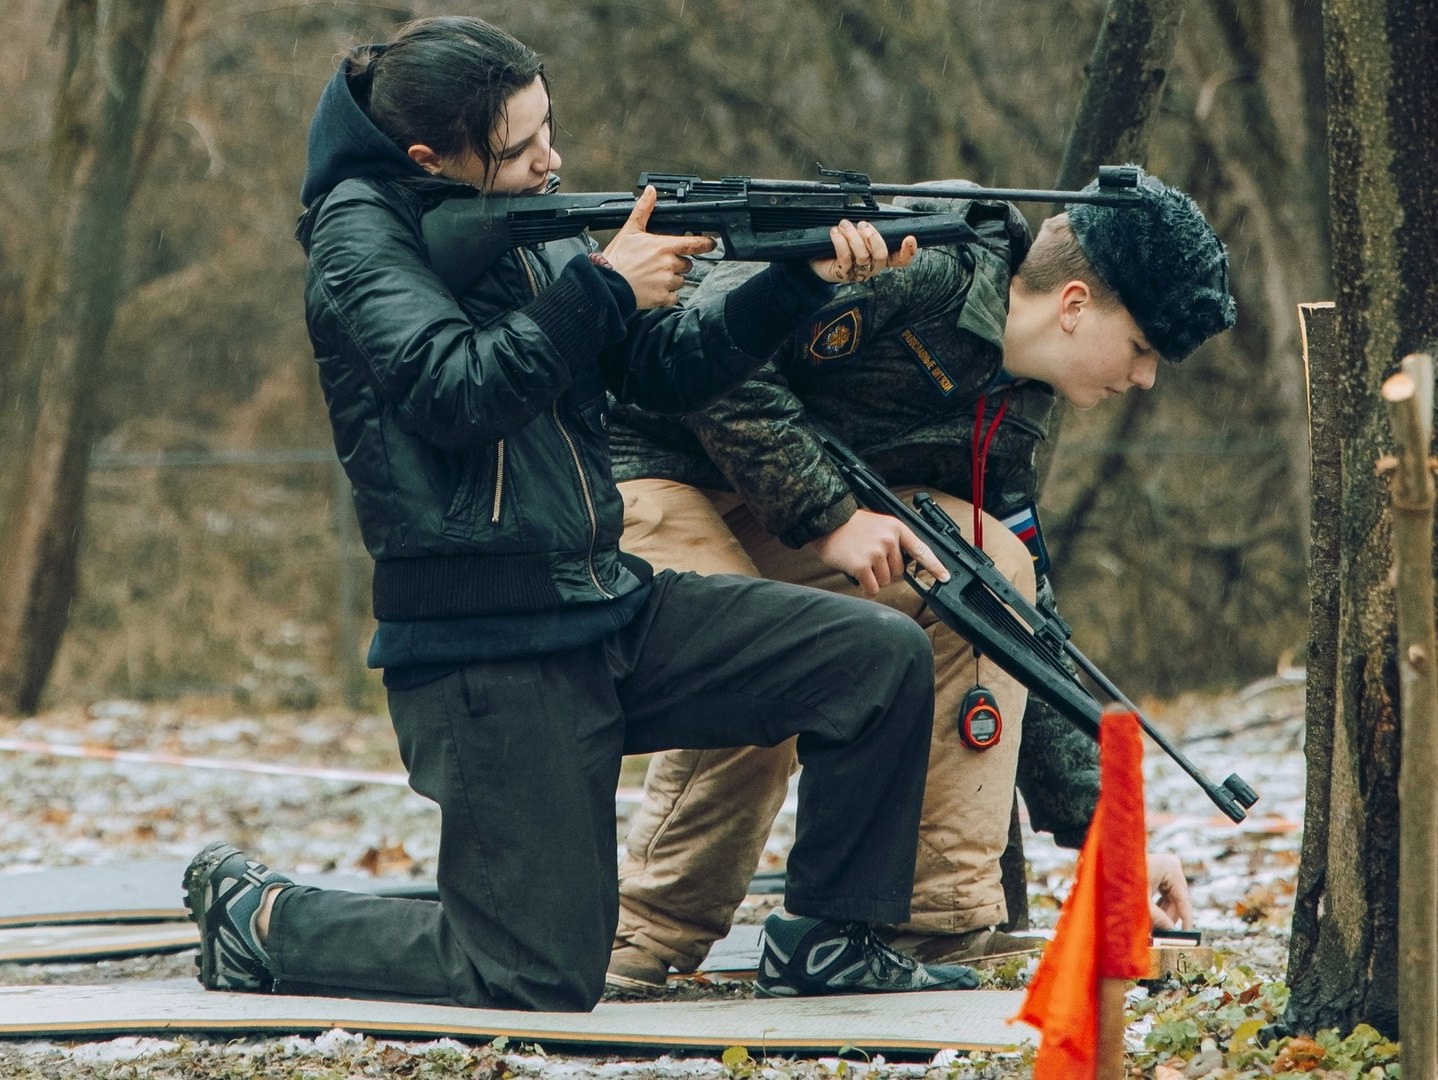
(1030, 643)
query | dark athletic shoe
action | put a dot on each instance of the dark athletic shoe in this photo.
(803, 957)
(224, 890)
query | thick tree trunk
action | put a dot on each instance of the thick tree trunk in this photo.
(70, 306)
(1383, 169)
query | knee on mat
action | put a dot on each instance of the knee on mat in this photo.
(568, 991)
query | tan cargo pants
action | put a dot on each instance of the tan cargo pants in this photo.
(706, 816)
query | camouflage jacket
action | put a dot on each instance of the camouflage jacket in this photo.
(894, 367)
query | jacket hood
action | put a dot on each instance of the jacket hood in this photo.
(344, 144)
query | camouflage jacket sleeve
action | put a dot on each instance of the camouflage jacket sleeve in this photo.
(762, 436)
(761, 440)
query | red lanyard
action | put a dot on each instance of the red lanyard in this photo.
(983, 436)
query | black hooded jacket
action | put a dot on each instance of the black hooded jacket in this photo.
(473, 428)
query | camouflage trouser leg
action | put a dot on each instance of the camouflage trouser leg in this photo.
(700, 833)
(1058, 775)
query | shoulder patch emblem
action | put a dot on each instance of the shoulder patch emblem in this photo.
(838, 337)
(927, 360)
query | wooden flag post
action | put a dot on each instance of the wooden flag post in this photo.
(1108, 1062)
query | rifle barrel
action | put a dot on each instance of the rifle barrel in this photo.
(1125, 197)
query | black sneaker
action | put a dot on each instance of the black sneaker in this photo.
(804, 956)
(224, 890)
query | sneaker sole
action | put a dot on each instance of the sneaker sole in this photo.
(196, 885)
(197, 901)
(790, 992)
(764, 992)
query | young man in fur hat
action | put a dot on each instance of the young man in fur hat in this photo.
(942, 376)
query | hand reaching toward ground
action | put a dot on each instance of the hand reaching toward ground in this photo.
(1169, 902)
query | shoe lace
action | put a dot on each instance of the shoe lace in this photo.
(879, 957)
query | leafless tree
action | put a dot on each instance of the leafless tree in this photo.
(70, 304)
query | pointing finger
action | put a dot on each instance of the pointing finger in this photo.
(643, 207)
(924, 555)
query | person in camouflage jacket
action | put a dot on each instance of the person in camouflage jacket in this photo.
(918, 371)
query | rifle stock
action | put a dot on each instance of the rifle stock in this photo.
(1028, 642)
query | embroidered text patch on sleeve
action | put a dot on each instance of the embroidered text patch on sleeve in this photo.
(927, 360)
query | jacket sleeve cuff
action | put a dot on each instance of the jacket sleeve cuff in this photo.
(760, 313)
(822, 523)
(583, 299)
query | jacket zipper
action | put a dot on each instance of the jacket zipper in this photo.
(588, 501)
(498, 482)
(584, 491)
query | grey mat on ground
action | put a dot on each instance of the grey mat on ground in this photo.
(736, 954)
(56, 942)
(130, 891)
(143, 891)
(69, 942)
(891, 1023)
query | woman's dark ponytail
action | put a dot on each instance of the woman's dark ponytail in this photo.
(359, 65)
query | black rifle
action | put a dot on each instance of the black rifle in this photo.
(757, 220)
(1028, 642)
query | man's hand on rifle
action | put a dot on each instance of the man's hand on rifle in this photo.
(872, 550)
(860, 253)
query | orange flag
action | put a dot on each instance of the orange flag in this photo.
(1104, 929)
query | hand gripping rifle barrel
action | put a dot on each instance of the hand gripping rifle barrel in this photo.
(1028, 642)
(757, 220)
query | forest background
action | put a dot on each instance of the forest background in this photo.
(218, 554)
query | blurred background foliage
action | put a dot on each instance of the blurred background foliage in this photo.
(1178, 519)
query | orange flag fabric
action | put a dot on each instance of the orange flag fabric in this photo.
(1104, 928)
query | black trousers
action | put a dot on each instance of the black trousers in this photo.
(523, 758)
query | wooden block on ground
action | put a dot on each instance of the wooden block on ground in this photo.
(1179, 960)
(736, 956)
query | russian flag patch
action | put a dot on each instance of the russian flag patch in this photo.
(1025, 525)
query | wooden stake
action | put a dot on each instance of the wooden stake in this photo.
(1409, 396)
(1108, 1062)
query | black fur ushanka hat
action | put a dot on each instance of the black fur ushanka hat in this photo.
(1165, 263)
